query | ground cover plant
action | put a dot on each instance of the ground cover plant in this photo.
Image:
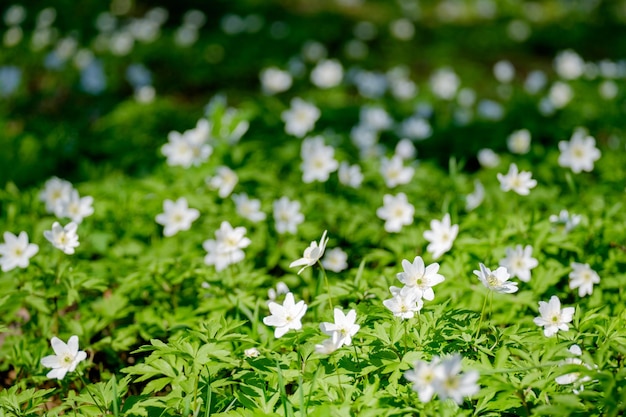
(336, 208)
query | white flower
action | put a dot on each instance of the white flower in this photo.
(573, 377)
(327, 73)
(363, 137)
(476, 198)
(566, 220)
(350, 175)
(189, 148)
(16, 252)
(342, 330)
(248, 208)
(497, 280)
(569, 65)
(519, 141)
(274, 80)
(64, 238)
(560, 94)
(552, 317)
(287, 215)
(300, 118)
(405, 302)
(375, 118)
(441, 236)
(227, 247)
(424, 376)
(225, 181)
(251, 353)
(444, 83)
(396, 211)
(583, 278)
(422, 277)
(416, 127)
(312, 254)
(285, 317)
(281, 288)
(335, 260)
(54, 193)
(75, 207)
(176, 216)
(394, 172)
(488, 158)
(327, 347)
(451, 383)
(579, 153)
(519, 181)
(405, 149)
(504, 71)
(318, 160)
(519, 262)
(66, 357)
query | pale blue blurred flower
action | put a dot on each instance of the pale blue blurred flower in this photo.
(10, 77)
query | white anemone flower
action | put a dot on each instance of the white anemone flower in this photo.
(312, 254)
(497, 280)
(66, 357)
(63, 237)
(441, 236)
(16, 252)
(552, 318)
(287, 316)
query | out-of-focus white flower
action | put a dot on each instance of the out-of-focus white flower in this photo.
(519, 261)
(444, 83)
(350, 175)
(251, 353)
(63, 238)
(248, 208)
(519, 181)
(394, 172)
(224, 181)
(176, 216)
(441, 236)
(560, 94)
(55, 192)
(583, 278)
(318, 160)
(285, 317)
(375, 118)
(535, 81)
(519, 141)
(189, 148)
(275, 80)
(504, 71)
(565, 220)
(574, 377)
(401, 87)
(579, 153)
(226, 248)
(75, 207)
(569, 65)
(552, 318)
(416, 127)
(16, 252)
(312, 254)
(424, 378)
(327, 73)
(402, 29)
(608, 89)
(396, 211)
(300, 118)
(363, 137)
(65, 359)
(488, 158)
(405, 149)
(451, 383)
(336, 260)
(497, 280)
(476, 198)
(287, 215)
(281, 288)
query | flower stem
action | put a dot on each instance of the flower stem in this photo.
(480, 322)
(102, 410)
(330, 301)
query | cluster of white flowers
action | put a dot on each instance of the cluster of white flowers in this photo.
(63, 200)
(190, 148)
(443, 377)
(226, 248)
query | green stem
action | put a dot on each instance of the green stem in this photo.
(102, 410)
(480, 322)
(330, 301)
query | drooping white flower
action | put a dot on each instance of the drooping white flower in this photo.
(63, 238)
(519, 262)
(441, 236)
(552, 317)
(583, 278)
(224, 181)
(248, 208)
(450, 382)
(300, 118)
(343, 329)
(55, 192)
(16, 252)
(75, 207)
(287, 215)
(519, 181)
(327, 73)
(405, 302)
(488, 158)
(176, 216)
(275, 80)
(66, 357)
(519, 141)
(396, 211)
(565, 220)
(318, 160)
(287, 316)
(226, 248)
(579, 153)
(422, 277)
(476, 198)
(394, 172)
(335, 260)
(350, 175)
(312, 254)
(497, 280)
